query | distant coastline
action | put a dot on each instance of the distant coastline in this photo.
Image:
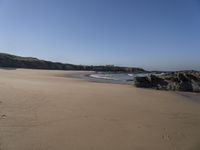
(13, 61)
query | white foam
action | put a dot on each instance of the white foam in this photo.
(103, 76)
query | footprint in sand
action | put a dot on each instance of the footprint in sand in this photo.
(3, 116)
(166, 137)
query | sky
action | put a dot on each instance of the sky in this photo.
(152, 34)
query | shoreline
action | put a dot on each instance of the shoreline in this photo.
(86, 76)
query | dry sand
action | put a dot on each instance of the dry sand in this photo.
(41, 110)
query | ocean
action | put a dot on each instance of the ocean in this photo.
(106, 77)
(116, 76)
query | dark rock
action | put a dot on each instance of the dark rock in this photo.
(151, 81)
(176, 81)
(142, 82)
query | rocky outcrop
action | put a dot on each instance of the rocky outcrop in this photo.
(12, 61)
(150, 81)
(177, 81)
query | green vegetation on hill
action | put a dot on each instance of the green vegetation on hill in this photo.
(12, 61)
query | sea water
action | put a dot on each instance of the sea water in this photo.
(117, 76)
(107, 77)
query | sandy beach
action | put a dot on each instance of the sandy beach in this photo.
(43, 110)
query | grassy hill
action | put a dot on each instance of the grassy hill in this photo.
(13, 61)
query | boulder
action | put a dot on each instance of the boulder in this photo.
(150, 81)
(176, 81)
(142, 82)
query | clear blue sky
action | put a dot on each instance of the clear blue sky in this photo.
(153, 34)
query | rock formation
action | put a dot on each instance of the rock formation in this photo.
(178, 81)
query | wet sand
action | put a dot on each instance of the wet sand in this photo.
(43, 110)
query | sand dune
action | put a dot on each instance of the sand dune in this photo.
(42, 110)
